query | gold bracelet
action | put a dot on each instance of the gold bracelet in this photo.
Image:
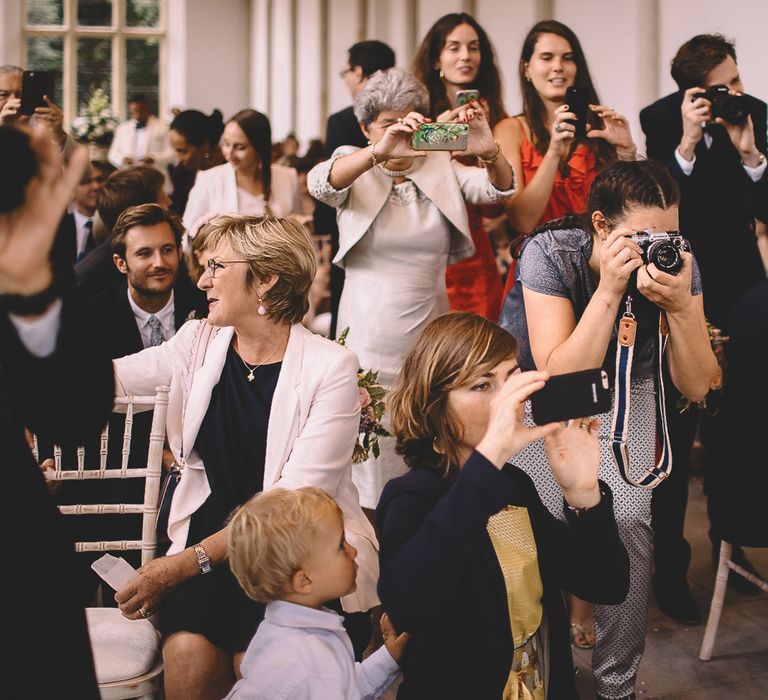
(492, 160)
(375, 162)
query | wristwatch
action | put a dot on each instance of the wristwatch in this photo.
(203, 561)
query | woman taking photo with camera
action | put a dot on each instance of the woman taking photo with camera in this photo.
(553, 165)
(457, 55)
(402, 217)
(576, 278)
(472, 563)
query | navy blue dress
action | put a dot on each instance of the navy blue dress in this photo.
(232, 443)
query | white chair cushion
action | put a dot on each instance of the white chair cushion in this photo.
(122, 649)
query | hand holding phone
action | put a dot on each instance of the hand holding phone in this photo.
(577, 100)
(465, 96)
(572, 395)
(441, 136)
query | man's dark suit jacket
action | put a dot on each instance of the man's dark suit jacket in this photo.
(719, 202)
(737, 480)
(441, 581)
(342, 130)
(67, 395)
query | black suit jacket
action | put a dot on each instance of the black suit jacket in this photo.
(441, 581)
(68, 395)
(719, 202)
(342, 130)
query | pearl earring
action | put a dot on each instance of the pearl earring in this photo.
(261, 310)
(441, 74)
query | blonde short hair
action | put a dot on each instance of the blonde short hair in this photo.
(451, 351)
(270, 537)
(272, 246)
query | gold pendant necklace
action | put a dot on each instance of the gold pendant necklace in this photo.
(251, 370)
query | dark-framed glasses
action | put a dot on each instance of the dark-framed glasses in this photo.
(215, 265)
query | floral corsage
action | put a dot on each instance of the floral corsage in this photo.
(372, 396)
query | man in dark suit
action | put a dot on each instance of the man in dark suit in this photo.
(155, 299)
(365, 58)
(721, 168)
(55, 375)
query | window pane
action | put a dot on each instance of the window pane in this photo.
(47, 53)
(142, 71)
(142, 13)
(45, 11)
(94, 13)
(94, 68)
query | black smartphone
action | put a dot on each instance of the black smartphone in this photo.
(577, 100)
(572, 395)
(35, 84)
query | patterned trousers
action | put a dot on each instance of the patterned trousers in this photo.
(619, 629)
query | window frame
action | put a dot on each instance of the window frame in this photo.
(118, 32)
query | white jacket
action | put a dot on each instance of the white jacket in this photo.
(312, 428)
(158, 145)
(449, 185)
(215, 190)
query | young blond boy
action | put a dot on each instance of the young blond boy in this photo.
(287, 549)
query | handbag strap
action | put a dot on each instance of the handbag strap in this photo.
(203, 336)
(654, 475)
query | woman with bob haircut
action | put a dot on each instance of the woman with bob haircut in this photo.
(248, 183)
(472, 563)
(554, 167)
(576, 276)
(256, 401)
(402, 218)
(454, 55)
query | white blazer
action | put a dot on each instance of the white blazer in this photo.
(158, 145)
(215, 190)
(313, 425)
(449, 185)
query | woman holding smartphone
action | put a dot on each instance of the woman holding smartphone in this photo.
(576, 277)
(554, 167)
(472, 563)
(402, 218)
(456, 57)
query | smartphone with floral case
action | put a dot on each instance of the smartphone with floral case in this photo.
(441, 136)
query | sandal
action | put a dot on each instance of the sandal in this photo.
(583, 636)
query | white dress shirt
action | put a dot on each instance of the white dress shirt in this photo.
(687, 165)
(140, 141)
(38, 335)
(165, 316)
(304, 653)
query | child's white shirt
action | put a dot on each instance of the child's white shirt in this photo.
(303, 653)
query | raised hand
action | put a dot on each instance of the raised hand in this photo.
(619, 258)
(27, 233)
(696, 112)
(573, 453)
(396, 141)
(669, 292)
(615, 131)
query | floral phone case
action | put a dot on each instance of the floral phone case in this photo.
(440, 137)
(465, 96)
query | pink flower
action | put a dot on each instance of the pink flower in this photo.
(365, 397)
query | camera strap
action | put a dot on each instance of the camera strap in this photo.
(625, 346)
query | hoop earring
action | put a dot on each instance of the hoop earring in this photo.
(441, 74)
(261, 310)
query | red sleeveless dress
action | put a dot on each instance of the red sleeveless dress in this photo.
(569, 194)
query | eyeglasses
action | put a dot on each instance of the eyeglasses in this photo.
(343, 73)
(215, 265)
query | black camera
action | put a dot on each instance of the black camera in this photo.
(662, 248)
(730, 108)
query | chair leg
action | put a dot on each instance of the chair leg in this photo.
(718, 598)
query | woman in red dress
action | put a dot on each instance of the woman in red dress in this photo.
(554, 168)
(456, 54)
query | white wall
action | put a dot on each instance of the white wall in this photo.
(283, 56)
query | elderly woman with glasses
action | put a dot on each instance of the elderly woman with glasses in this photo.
(256, 401)
(402, 218)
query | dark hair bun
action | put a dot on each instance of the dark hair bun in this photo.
(20, 167)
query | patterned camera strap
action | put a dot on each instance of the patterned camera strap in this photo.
(625, 346)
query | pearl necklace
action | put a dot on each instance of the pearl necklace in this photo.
(396, 173)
